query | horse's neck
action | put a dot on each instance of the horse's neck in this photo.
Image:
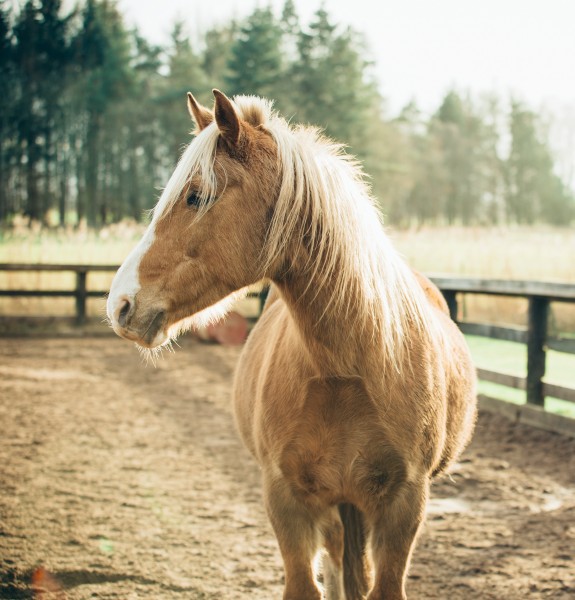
(351, 311)
(338, 338)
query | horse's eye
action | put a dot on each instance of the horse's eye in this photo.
(194, 199)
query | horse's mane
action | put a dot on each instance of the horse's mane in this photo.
(342, 226)
(344, 229)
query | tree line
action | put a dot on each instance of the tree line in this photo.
(93, 119)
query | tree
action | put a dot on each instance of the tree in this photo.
(427, 197)
(41, 59)
(92, 117)
(217, 53)
(7, 111)
(452, 126)
(333, 80)
(185, 73)
(255, 62)
(534, 191)
(142, 143)
(102, 52)
(469, 146)
(28, 64)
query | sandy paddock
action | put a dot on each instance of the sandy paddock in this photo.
(124, 481)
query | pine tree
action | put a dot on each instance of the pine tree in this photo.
(185, 73)
(7, 112)
(333, 83)
(255, 63)
(217, 54)
(27, 60)
(468, 146)
(84, 102)
(141, 109)
(102, 51)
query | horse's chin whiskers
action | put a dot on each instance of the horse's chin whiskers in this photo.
(169, 346)
(152, 355)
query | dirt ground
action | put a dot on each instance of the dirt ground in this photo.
(126, 481)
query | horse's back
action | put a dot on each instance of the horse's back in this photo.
(432, 292)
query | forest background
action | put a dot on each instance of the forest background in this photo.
(93, 119)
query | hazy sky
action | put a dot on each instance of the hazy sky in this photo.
(424, 47)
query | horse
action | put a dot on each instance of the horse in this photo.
(355, 388)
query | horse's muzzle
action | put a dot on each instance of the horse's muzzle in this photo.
(145, 327)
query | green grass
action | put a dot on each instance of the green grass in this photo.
(511, 358)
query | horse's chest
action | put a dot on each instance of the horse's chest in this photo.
(333, 446)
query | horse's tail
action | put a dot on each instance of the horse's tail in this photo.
(356, 571)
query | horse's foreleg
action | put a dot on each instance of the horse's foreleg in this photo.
(298, 538)
(394, 528)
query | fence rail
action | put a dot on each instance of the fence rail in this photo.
(80, 292)
(535, 334)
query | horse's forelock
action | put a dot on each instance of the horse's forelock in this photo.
(254, 110)
(198, 158)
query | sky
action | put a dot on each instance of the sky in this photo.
(424, 48)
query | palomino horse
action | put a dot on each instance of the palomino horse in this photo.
(355, 388)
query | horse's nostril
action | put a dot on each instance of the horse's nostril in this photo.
(123, 314)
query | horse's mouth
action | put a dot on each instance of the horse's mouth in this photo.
(154, 328)
(150, 334)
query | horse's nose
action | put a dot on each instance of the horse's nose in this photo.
(123, 311)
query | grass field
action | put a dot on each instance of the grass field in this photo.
(543, 254)
(511, 358)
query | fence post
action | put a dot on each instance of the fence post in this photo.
(80, 297)
(451, 299)
(536, 339)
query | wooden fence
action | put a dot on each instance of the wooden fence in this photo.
(535, 334)
(80, 292)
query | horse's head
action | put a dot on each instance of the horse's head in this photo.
(208, 229)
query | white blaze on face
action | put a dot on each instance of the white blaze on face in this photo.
(126, 283)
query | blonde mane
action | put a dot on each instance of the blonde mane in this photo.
(349, 251)
(343, 229)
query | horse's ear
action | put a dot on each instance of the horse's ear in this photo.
(226, 118)
(200, 114)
